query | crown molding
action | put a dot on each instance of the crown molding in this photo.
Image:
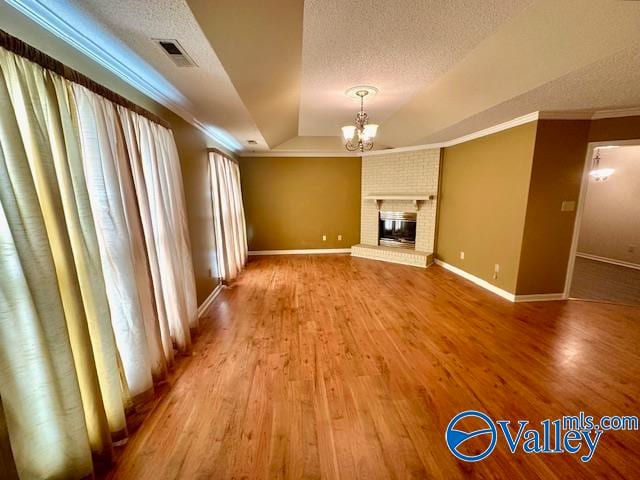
(531, 117)
(292, 153)
(43, 14)
(412, 148)
(559, 115)
(591, 115)
(621, 112)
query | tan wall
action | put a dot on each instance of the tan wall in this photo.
(484, 190)
(611, 218)
(621, 128)
(290, 202)
(558, 163)
(192, 147)
(191, 143)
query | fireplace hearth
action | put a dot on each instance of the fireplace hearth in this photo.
(397, 229)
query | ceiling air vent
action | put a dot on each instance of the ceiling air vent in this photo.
(175, 52)
(252, 142)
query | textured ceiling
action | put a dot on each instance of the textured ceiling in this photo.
(276, 71)
(397, 46)
(259, 43)
(210, 95)
(549, 40)
(609, 84)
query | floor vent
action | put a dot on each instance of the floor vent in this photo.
(175, 52)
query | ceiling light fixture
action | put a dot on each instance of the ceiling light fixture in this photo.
(600, 174)
(360, 136)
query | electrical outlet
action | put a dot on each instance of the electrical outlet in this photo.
(339, 237)
(210, 274)
(496, 270)
(461, 255)
(631, 249)
(324, 238)
(568, 206)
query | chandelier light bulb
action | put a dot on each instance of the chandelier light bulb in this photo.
(370, 131)
(348, 132)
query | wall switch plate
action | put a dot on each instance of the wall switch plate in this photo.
(339, 237)
(324, 238)
(461, 255)
(568, 206)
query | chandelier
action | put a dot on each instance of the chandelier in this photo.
(360, 136)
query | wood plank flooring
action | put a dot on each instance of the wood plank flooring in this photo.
(332, 367)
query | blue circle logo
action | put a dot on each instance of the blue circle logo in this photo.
(455, 438)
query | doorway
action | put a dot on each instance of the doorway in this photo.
(605, 260)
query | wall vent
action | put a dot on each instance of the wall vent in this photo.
(175, 52)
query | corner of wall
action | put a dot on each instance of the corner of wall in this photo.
(556, 176)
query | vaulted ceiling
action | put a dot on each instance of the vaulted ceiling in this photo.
(276, 71)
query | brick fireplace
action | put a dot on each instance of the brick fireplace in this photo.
(399, 182)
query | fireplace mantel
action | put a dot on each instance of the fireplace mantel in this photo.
(414, 197)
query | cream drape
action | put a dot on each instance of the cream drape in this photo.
(228, 215)
(91, 219)
(55, 402)
(157, 172)
(130, 129)
(102, 144)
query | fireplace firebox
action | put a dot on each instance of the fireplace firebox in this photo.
(397, 229)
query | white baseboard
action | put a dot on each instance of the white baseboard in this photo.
(477, 280)
(613, 261)
(300, 252)
(542, 297)
(209, 300)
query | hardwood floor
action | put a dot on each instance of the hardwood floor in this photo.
(340, 367)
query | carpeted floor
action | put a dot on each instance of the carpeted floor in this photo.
(593, 280)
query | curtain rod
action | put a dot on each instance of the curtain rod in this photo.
(22, 49)
(224, 154)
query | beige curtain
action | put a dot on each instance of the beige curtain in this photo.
(96, 282)
(228, 215)
(54, 324)
(129, 298)
(131, 134)
(157, 173)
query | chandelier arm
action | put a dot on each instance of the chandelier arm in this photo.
(350, 146)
